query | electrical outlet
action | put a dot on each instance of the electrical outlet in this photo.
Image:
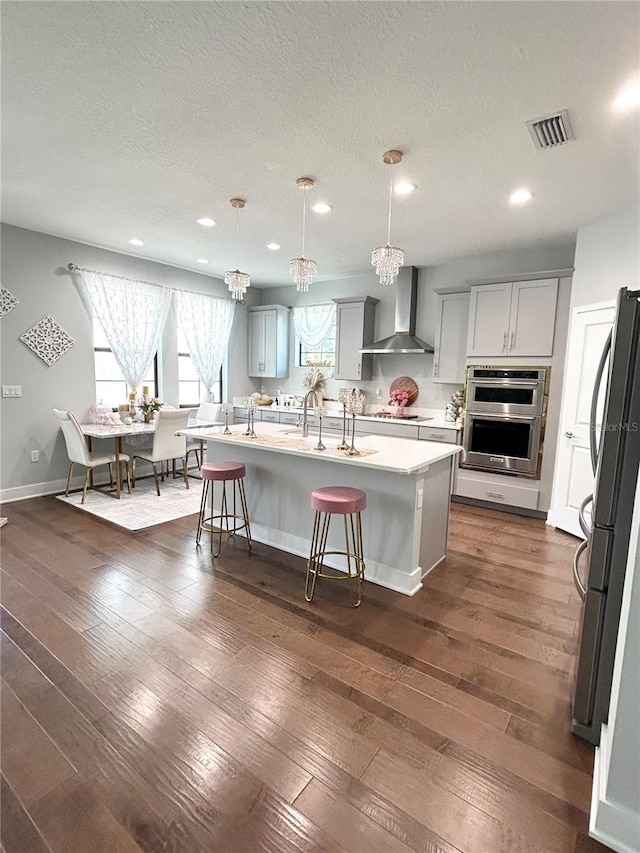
(35, 455)
(12, 390)
(419, 499)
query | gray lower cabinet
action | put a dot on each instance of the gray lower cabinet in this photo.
(355, 328)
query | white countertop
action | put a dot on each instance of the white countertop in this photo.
(426, 417)
(393, 455)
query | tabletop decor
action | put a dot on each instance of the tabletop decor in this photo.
(399, 399)
(355, 406)
(7, 301)
(47, 340)
(315, 380)
(149, 406)
(251, 415)
(453, 412)
(343, 394)
(227, 408)
(319, 411)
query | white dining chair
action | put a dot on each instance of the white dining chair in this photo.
(166, 444)
(79, 453)
(208, 413)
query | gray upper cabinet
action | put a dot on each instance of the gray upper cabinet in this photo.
(451, 338)
(514, 319)
(268, 341)
(355, 327)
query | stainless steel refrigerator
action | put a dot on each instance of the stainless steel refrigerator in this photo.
(615, 456)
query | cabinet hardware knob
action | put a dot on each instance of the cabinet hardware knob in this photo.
(504, 342)
(568, 434)
(513, 341)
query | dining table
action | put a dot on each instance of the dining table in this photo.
(119, 431)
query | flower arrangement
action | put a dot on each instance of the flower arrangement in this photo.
(399, 397)
(148, 405)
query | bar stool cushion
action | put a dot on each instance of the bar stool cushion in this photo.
(338, 499)
(223, 470)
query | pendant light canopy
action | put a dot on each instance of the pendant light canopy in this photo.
(237, 281)
(302, 269)
(388, 259)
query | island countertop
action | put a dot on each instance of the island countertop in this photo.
(392, 455)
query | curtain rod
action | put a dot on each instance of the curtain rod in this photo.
(75, 268)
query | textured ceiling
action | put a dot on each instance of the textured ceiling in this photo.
(132, 119)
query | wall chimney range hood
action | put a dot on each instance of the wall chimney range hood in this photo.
(404, 340)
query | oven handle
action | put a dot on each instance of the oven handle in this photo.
(507, 383)
(490, 417)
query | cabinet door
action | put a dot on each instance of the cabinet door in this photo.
(489, 313)
(350, 323)
(451, 338)
(269, 365)
(256, 343)
(533, 317)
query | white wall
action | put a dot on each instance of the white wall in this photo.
(34, 269)
(420, 367)
(607, 258)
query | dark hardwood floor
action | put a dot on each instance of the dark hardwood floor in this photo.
(154, 701)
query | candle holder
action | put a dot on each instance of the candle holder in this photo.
(227, 408)
(355, 406)
(343, 394)
(319, 412)
(251, 412)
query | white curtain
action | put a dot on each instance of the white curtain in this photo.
(132, 314)
(206, 323)
(314, 323)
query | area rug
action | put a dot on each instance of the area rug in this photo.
(142, 508)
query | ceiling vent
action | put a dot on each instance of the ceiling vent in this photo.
(551, 131)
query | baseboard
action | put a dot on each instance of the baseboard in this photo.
(514, 510)
(610, 823)
(40, 490)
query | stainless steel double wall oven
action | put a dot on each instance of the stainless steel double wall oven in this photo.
(505, 411)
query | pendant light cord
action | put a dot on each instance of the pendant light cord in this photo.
(304, 216)
(237, 239)
(390, 198)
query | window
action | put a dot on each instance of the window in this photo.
(191, 391)
(111, 386)
(323, 355)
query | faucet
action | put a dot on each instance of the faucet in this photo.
(304, 426)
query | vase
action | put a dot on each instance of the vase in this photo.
(148, 417)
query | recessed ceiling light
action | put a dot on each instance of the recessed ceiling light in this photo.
(521, 196)
(204, 220)
(135, 242)
(321, 207)
(273, 246)
(628, 98)
(202, 260)
(404, 187)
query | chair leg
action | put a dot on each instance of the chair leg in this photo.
(69, 478)
(87, 477)
(184, 471)
(110, 475)
(126, 469)
(133, 472)
(155, 474)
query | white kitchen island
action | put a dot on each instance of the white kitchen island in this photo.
(407, 483)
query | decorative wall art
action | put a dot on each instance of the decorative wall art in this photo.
(48, 340)
(7, 301)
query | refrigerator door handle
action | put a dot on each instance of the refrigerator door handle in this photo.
(576, 574)
(593, 445)
(581, 516)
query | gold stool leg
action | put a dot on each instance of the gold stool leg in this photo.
(224, 514)
(245, 511)
(203, 505)
(356, 536)
(308, 588)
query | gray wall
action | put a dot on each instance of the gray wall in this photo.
(34, 269)
(419, 367)
(607, 258)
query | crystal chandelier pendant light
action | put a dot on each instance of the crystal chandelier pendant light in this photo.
(237, 281)
(388, 259)
(303, 270)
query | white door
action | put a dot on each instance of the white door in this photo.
(573, 478)
(489, 320)
(533, 317)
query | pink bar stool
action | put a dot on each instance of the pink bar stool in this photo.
(222, 472)
(349, 503)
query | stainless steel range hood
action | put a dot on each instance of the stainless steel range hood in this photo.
(404, 340)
